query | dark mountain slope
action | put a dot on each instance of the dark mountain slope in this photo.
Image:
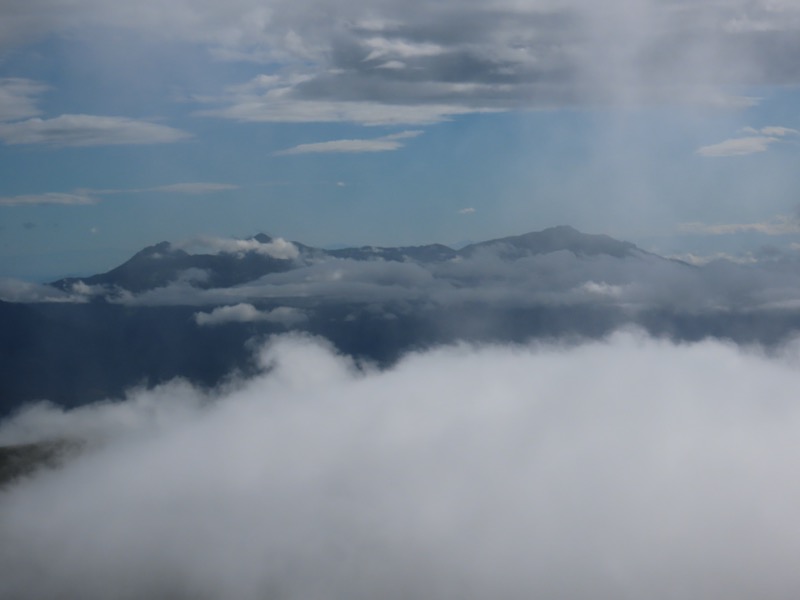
(161, 264)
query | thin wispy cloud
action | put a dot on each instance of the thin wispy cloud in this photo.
(18, 98)
(276, 110)
(189, 188)
(73, 199)
(757, 140)
(780, 225)
(92, 196)
(88, 130)
(386, 143)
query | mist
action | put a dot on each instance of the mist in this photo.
(628, 467)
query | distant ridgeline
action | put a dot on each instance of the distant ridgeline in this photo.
(171, 311)
(159, 265)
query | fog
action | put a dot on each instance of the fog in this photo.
(625, 468)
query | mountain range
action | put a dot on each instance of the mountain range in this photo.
(163, 263)
(198, 310)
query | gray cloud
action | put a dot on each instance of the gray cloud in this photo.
(502, 56)
(88, 130)
(393, 62)
(660, 470)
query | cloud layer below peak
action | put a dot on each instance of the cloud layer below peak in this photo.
(473, 472)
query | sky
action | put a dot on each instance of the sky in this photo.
(669, 123)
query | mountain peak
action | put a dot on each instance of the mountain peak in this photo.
(263, 238)
(554, 239)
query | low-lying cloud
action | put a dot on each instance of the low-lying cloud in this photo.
(247, 313)
(631, 467)
(557, 278)
(275, 248)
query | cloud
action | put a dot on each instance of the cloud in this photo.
(191, 188)
(92, 196)
(247, 313)
(700, 260)
(486, 279)
(48, 198)
(266, 109)
(738, 146)
(509, 56)
(775, 131)
(275, 248)
(780, 225)
(88, 130)
(15, 290)
(395, 62)
(18, 98)
(659, 471)
(758, 141)
(188, 187)
(630, 286)
(381, 144)
(467, 211)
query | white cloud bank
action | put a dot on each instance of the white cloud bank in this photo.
(631, 468)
